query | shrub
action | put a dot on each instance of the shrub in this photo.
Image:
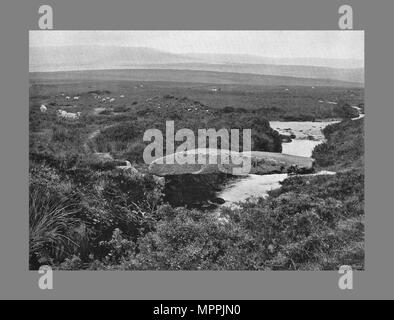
(121, 109)
(118, 248)
(228, 109)
(187, 240)
(344, 147)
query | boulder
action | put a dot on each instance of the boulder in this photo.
(312, 138)
(271, 162)
(126, 165)
(227, 161)
(217, 200)
(104, 161)
(286, 138)
(101, 157)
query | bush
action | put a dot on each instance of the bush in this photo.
(228, 109)
(187, 240)
(299, 117)
(118, 248)
(121, 109)
(73, 209)
(344, 147)
(106, 112)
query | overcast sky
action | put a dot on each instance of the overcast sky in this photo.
(276, 44)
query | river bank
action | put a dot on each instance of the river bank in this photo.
(308, 135)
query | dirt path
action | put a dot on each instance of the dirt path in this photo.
(91, 148)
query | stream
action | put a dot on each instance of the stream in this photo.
(308, 134)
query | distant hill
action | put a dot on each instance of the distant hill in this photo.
(66, 58)
(98, 57)
(252, 59)
(313, 72)
(192, 76)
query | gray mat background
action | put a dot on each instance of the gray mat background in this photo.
(17, 17)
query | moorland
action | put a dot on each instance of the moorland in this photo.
(87, 212)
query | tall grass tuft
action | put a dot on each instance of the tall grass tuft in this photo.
(50, 221)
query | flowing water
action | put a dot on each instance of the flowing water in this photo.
(308, 135)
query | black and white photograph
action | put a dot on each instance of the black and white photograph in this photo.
(196, 150)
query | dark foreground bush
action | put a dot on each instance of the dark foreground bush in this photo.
(72, 211)
(312, 227)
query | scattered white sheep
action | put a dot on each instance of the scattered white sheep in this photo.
(68, 115)
(121, 96)
(43, 108)
(67, 98)
(71, 116)
(112, 100)
(76, 98)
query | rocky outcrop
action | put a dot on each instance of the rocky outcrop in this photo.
(286, 138)
(196, 185)
(126, 165)
(101, 157)
(172, 164)
(104, 161)
(228, 162)
(271, 162)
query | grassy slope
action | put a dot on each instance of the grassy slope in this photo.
(193, 76)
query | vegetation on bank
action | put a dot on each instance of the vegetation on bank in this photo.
(124, 139)
(344, 148)
(86, 216)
